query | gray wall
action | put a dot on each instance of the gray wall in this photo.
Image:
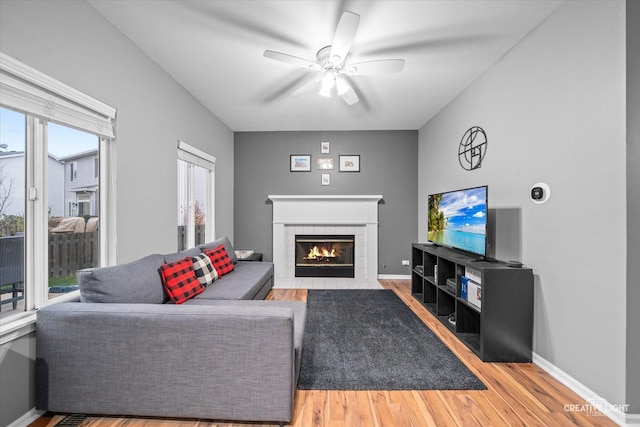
(554, 111)
(17, 378)
(388, 166)
(633, 206)
(71, 42)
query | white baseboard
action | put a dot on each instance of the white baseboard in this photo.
(615, 412)
(27, 418)
(633, 420)
(394, 276)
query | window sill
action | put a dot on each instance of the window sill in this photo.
(25, 323)
(17, 326)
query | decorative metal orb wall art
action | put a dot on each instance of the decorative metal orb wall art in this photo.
(472, 148)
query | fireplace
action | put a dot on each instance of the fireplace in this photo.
(328, 215)
(324, 255)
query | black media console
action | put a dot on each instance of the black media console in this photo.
(487, 305)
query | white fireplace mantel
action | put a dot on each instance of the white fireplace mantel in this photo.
(325, 197)
(360, 211)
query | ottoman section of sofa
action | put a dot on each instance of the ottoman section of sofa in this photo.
(299, 317)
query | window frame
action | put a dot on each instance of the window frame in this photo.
(73, 171)
(83, 199)
(38, 96)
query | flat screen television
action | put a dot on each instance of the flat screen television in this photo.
(458, 219)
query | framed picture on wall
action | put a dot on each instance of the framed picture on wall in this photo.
(325, 163)
(350, 163)
(326, 179)
(324, 147)
(300, 163)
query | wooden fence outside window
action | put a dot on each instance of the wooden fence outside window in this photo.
(70, 252)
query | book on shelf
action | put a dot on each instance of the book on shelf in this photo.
(451, 284)
(474, 294)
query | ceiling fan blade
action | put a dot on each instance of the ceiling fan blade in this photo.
(290, 59)
(381, 66)
(348, 94)
(419, 42)
(343, 38)
(308, 86)
(238, 24)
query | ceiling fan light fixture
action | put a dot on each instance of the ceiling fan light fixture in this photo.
(329, 79)
(341, 86)
(325, 91)
(328, 82)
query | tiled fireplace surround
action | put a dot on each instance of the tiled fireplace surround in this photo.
(321, 215)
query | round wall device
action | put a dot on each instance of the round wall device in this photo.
(540, 193)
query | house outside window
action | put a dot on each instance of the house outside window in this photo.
(82, 190)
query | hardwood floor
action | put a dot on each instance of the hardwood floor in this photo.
(517, 395)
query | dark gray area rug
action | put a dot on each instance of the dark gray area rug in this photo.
(370, 340)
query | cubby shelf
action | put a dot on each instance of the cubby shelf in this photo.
(500, 329)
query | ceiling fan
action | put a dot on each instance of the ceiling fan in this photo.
(331, 63)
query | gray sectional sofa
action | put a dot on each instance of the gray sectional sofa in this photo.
(122, 349)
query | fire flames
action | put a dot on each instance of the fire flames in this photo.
(319, 253)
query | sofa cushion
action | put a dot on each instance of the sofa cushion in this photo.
(203, 267)
(220, 259)
(134, 282)
(177, 256)
(227, 245)
(247, 281)
(180, 281)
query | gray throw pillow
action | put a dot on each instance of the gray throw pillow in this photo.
(231, 252)
(137, 282)
(178, 256)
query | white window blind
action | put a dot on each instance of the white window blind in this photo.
(23, 88)
(198, 157)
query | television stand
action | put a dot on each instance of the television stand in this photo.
(492, 302)
(483, 258)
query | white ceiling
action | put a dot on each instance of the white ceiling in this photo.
(214, 49)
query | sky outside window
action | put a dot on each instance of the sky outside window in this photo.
(63, 140)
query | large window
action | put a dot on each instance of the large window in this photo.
(53, 206)
(195, 196)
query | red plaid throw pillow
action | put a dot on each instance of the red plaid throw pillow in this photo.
(220, 260)
(180, 281)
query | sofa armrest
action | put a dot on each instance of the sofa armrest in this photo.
(198, 361)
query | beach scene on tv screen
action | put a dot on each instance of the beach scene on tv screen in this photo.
(458, 219)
